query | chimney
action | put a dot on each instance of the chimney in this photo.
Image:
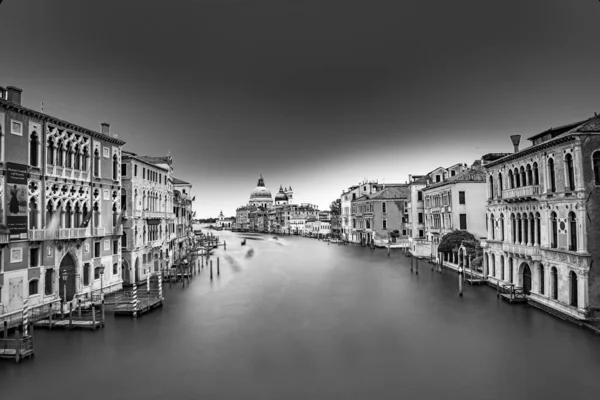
(14, 94)
(105, 128)
(516, 139)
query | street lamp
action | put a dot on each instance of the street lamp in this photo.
(101, 270)
(64, 277)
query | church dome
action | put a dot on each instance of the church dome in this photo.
(260, 192)
(281, 196)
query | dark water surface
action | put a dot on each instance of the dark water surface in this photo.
(300, 319)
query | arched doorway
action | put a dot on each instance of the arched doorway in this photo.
(137, 270)
(526, 278)
(125, 272)
(67, 265)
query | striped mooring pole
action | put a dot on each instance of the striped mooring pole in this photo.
(160, 292)
(148, 282)
(134, 299)
(25, 317)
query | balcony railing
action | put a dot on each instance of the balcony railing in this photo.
(521, 193)
(61, 233)
(521, 249)
(434, 230)
(67, 173)
(97, 232)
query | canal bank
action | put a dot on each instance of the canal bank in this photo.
(295, 318)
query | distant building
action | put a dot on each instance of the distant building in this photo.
(224, 222)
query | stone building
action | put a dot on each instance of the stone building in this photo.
(147, 202)
(61, 221)
(543, 219)
(346, 198)
(376, 215)
(182, 208)
(261, 196)
(454, 199)
(415, 224)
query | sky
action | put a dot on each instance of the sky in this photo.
(313, 94)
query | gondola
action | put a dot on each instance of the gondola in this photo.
(244, 242)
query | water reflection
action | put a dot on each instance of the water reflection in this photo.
(302, 319)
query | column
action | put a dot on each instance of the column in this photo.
(547, 284)
(535, 232)
(577, 167)
(582, 243)
(523, 231)
(536, 278)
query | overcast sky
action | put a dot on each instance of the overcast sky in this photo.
(316, 94)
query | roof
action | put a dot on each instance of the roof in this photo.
(558, 130)
(156, 160)
(591, 125)
(476, 173)
(393, 192)
(143, 159)
(422, 180)
(177, 181)
(57, 121)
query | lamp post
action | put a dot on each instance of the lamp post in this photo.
(101, 270)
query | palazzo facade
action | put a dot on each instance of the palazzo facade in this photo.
(543, 219)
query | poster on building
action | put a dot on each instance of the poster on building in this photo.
(16, 200)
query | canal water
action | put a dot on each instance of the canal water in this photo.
(296, 318)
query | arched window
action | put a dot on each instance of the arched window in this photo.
(491, 187)
(502, 227)
(34, 144)
(500, 186)
(60, 157)
(523, 177)
(513, 224)
(517, 178)
(573, 289)
(77, 164)
(85, 160)
(536, 176)
(383, 207)
(96, 163)
(519, 229)
(502, 267)
(492, 227)
(553, 231)
(77, 223)
(538, 230)
(596, 166)
(96, 215)
(529, 175)
(493, 265)
(123, 199)
(542, 280)
(531, 229)
(511, 179)
(33, 214)
(570, 171)
(572, 231)
(33, 286)
(551, 176)
(115, 269)
(124, 239)
(69, 156)
(115, 168)
(525, 222)
(554, 282)
(68, 215)
(50, 151)
(510, 270)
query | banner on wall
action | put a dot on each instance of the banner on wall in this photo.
(16, 200)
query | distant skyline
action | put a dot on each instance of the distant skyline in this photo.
(313, 94)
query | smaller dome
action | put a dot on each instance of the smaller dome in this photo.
(281, 196)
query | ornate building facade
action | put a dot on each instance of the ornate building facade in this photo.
(147, 202)
(61, 222)
(543, 219)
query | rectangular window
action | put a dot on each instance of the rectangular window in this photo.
(97, 249)
(135, 170)
(33, 257)
(115, 247)
(419, 196)
(115, 269)
(421, 233)
(106, 245)
(437, 178)
(143, 173)
(106, 194)
(420, 218)
(16, 255)
(106, 152)
(33, 287)
(463, 221)
(385, 224)
(123, 169)
(403, 232)
(96, 273)
(461, 198)
(452, 173)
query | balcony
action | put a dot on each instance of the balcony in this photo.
(62, 233)
(67, 173)
(434, 230)
(97, 232)
(4, 238)
(521, 249)
(525, 193)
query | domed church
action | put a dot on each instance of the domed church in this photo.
(281, 198)
(261, 196)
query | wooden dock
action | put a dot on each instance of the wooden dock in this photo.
(476, 281)
(513, 299)
(145, 303)
(80, 318)
(19, 347)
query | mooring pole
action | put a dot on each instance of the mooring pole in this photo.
(460, 282)
(218, 268)
(417, 266)
(211, 276)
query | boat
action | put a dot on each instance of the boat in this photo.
(244, 242)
